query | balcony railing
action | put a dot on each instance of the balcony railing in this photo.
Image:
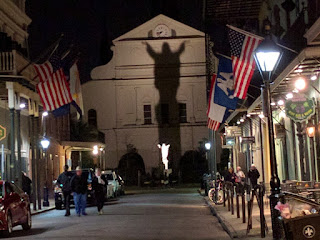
(8, 62)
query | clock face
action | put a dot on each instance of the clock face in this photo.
(161, 31)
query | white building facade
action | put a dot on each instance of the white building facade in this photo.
(152, 91)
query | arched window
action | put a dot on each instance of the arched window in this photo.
(92, 117)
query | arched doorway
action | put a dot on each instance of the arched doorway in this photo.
(193, 165)
(129, 166)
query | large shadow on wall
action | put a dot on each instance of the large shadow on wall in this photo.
(167, 81)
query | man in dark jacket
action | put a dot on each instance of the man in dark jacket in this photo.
(253, 175)
(99, 186)
(79, 185)
(26, 183)
(64, 182)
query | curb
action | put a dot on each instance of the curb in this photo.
(224, 223)
(42, 211)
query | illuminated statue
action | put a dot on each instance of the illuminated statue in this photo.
(164, 153)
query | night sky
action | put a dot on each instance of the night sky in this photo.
(91, 25)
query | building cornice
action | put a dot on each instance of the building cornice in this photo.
(15, 13)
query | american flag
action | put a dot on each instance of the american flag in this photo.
(242, 45)
(53, 87)
(213, 125)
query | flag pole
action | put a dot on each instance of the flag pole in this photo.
(44, 53)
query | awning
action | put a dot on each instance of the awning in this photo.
(306, 63)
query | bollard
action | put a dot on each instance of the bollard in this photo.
(228, 197)
(262, 219)
(243, 207)
(238, 209)
(232, 196)
(224, 195)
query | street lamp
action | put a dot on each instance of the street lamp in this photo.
(45, 144)
(267, 56)
(311, 131)
(207, 146)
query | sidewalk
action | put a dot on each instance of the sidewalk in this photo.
(234, 225)
(43, 209)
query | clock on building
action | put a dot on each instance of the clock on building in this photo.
(161, 30)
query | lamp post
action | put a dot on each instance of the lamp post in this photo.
(311, 131)
(45, 144)
(267, 56)
(207, 146)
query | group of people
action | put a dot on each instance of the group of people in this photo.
(239, 176)
(77, 185)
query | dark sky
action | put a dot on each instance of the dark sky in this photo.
(91, 25)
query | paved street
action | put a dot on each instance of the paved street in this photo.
(143, 216)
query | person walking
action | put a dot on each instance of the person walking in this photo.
(26, 183)
(240, 176)
(64, 180)
(79, 185)
(231, 176)
(98, 184)
(253, 175)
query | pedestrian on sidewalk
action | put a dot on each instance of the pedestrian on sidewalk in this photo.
(231, 176)
(79, 185)
(240, 176)
(253, 175)
(26, 183)
(99, 186)
(64, 180)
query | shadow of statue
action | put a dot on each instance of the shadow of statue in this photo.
(167, 81)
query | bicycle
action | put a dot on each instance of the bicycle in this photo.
(212, 192)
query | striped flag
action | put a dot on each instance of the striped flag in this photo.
(53, 87)
(45, 70)
(213, 125)
(214, 113)
(242, 45)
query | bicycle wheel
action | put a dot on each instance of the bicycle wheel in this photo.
(211, 194)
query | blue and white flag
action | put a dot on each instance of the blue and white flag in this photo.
(224, 88)
(221, 98)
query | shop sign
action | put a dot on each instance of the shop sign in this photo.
(2, 133)
(300, 108)
(250, 139)
(233, 131)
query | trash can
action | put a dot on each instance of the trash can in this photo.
(301, 228)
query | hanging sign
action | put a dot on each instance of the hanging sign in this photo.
(300, 108)
(2, 133)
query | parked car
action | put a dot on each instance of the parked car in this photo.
(58, 194)
(111, 176)
(14, 208)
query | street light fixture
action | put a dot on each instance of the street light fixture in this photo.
(207, 146)
(267, 56)
(311, 131)
(300, 84)
(44, 114)
(45, 144)
(22, 105)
